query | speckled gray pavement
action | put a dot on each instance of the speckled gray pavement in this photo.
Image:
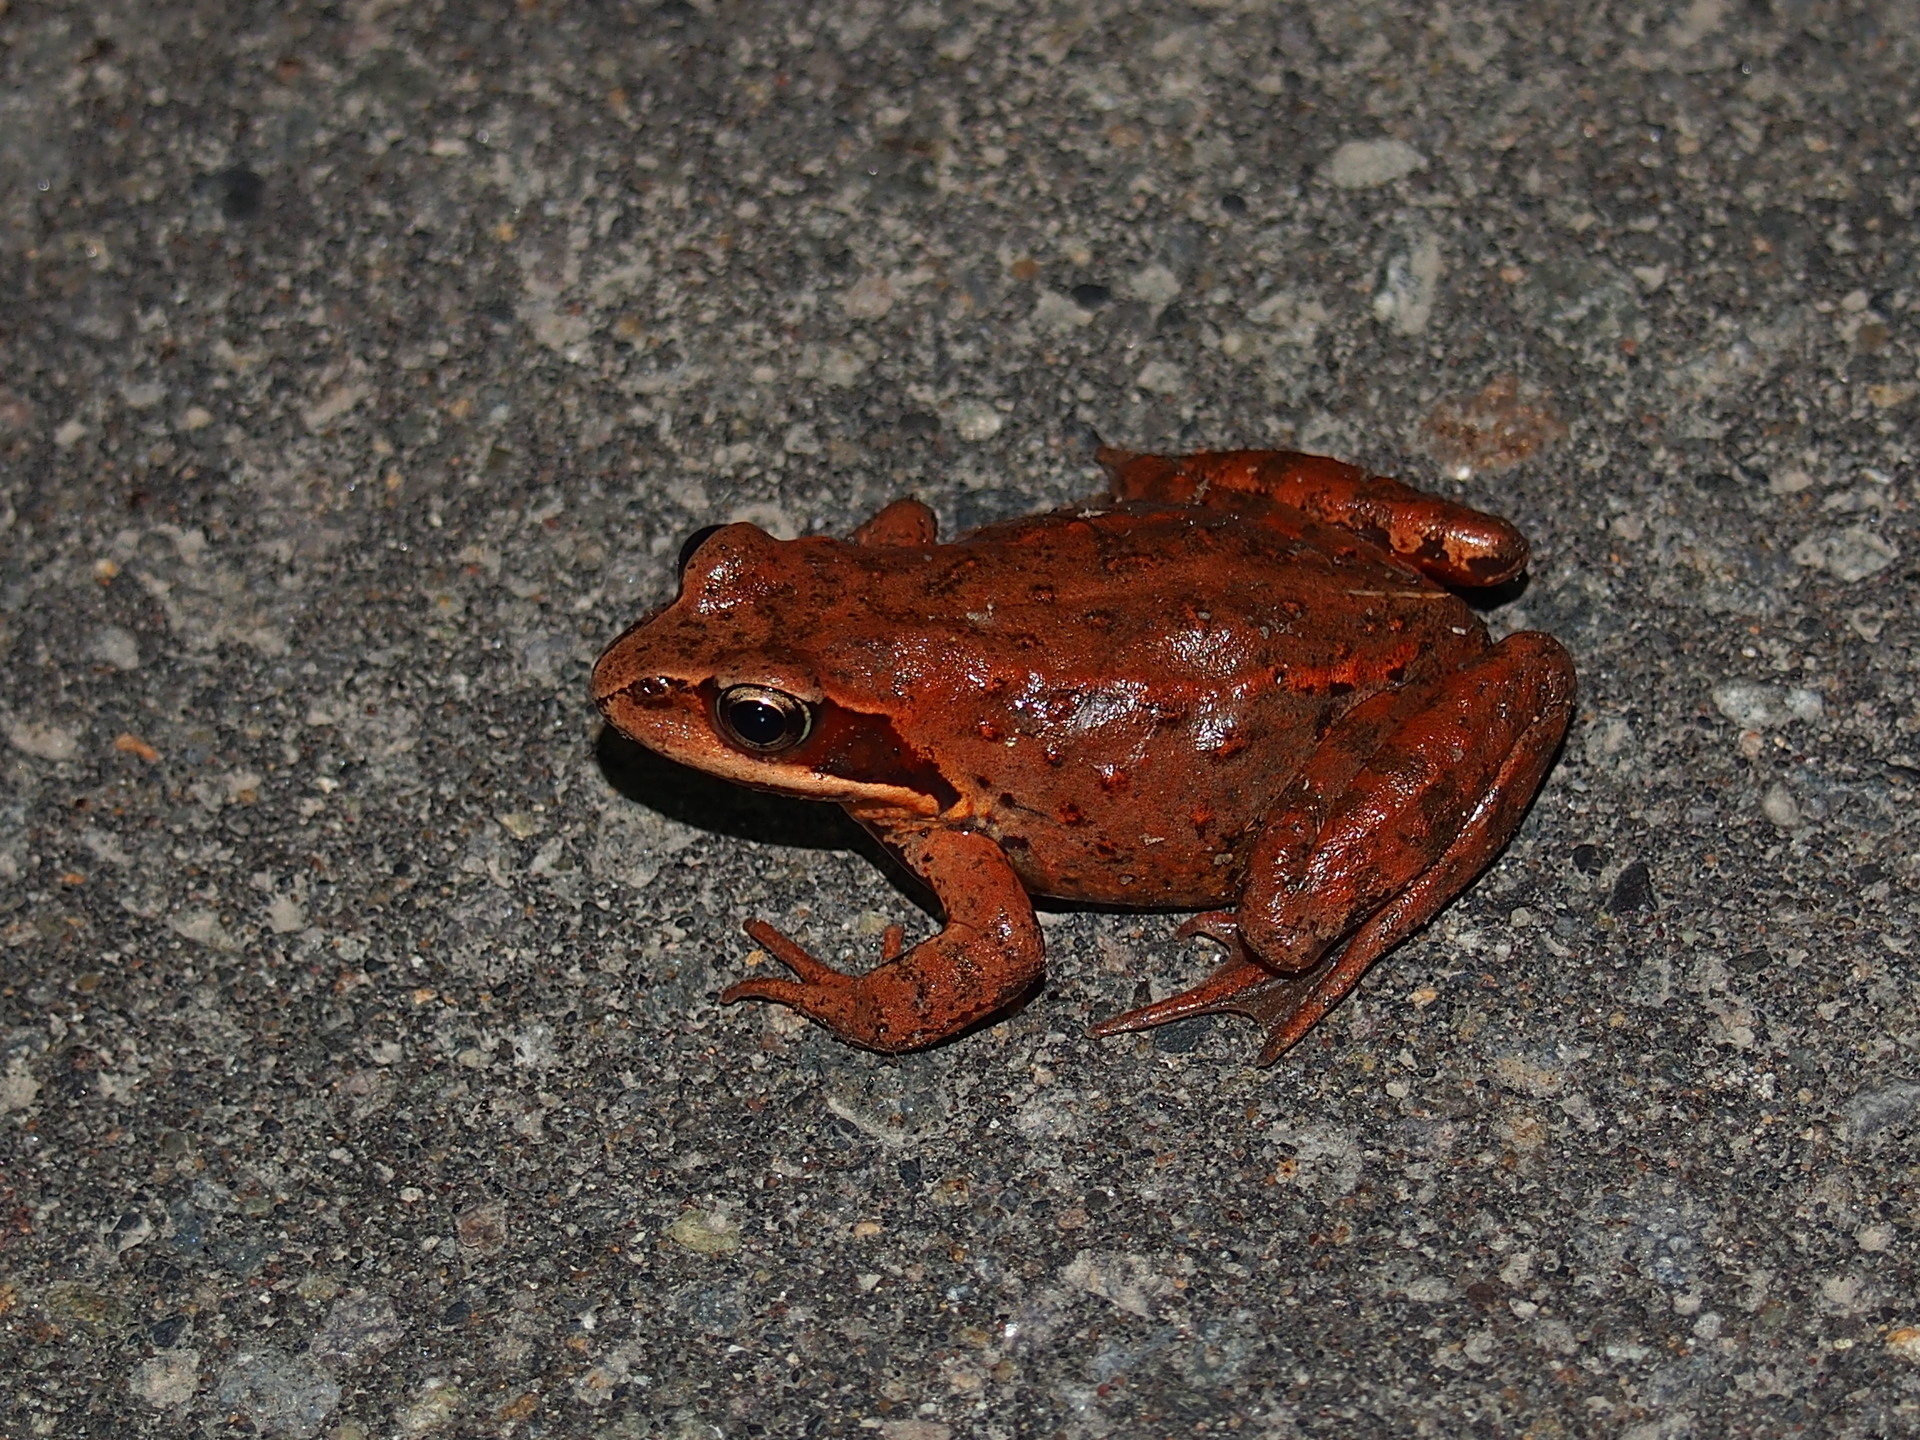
(362, 368)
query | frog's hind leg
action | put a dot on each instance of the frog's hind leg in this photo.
(1447, 541)
(1344, 888)
(1486, 828)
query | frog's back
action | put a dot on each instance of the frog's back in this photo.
(1138, 683)
(1178, 595)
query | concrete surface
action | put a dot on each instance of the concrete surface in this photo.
(364, 366)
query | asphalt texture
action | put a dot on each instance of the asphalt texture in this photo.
(364, 366)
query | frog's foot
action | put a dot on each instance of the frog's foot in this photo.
(1239, 985)
(843, 1003)
(973, 969)
(1235, 974)
(1215, 995)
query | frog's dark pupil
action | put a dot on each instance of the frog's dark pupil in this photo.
(757, 722)
(758, 718)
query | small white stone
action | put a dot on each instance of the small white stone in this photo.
(1161, 377)
(18, 1087)
(1848, 555)
(1405, 298)
(975, 420)
(166, 1378)
(1779, 806)
(1369, 164)
(44, 742)
(203, 927)
(284, 915)
(1055, 312)
(197, 417)
(1747, 703)
(868, 298)
(331, 406)
(1866, 622)
(1874, 1238)
(116, 647)
(142, 395)
(1155, 285)
(1296, 319)
(1804, 704)
(69, 434)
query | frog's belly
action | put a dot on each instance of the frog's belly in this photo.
(1128, 872)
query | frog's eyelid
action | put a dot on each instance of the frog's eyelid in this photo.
(692, 543)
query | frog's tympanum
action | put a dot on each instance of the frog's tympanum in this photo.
(1239, 685)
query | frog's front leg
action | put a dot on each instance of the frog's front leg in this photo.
(1356, 859)
(987, 955)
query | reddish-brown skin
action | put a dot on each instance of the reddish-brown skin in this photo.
(1235, 683)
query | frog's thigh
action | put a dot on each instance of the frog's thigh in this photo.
(1432, 805)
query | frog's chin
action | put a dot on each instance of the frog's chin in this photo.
(795, 780)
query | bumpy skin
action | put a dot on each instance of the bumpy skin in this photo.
(1237, 682)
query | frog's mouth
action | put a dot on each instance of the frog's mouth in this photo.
(841, 754)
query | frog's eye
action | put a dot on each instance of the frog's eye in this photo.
(762, 720)
(692, 543)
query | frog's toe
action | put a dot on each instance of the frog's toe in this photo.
(781, 992)
(790, 954)
(1217, 925)
(1212, 996)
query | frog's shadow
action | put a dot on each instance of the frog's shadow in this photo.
(1488, 598)
(720, 807)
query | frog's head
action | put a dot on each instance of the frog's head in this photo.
(749, 675)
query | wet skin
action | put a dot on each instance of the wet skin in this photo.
(1236, 685)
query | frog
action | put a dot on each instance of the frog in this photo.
(1241, 683)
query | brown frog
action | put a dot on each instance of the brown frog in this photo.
(1237, 682)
